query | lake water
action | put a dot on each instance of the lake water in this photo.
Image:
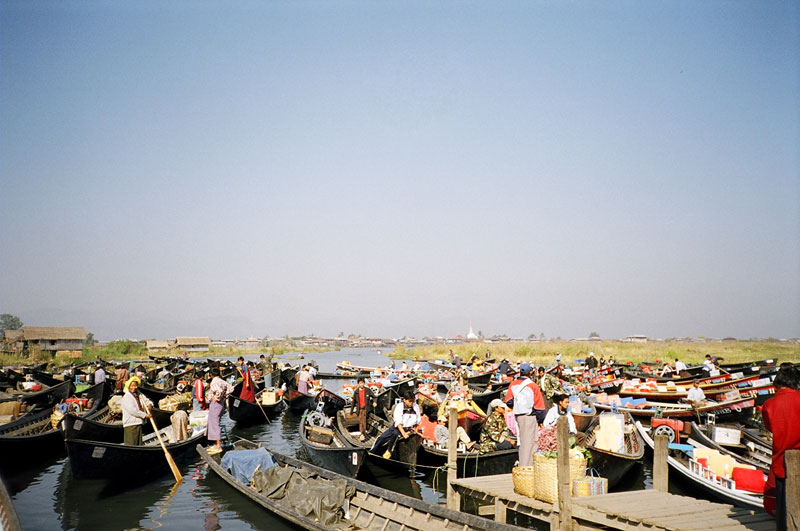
(47, 497)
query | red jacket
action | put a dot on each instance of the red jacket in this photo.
(781, 415)
(538, 398)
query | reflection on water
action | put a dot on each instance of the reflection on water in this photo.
(47, 497)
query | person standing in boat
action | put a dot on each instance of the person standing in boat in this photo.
(363, 402)
(265, 366)
(199, 393)
(406, 416)
(135, 408)
(591, 363)
(780, 415)
(99, 375)
(303, 377)
(248, 389)
(549, 385)
(218, 393)
(122, 376)
(528, 405)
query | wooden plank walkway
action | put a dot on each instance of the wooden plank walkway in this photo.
(639, 509)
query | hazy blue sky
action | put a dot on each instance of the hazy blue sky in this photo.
(388, 168)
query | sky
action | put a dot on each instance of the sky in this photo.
(401, 168)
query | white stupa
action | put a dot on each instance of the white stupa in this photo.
(471, 335)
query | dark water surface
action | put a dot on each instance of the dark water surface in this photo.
(48, 497)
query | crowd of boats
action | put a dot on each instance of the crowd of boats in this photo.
(718, 443)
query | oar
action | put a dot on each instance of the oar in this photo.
(170, 461)
(258, 402)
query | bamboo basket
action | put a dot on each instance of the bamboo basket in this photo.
(523, 477)
(546, 475)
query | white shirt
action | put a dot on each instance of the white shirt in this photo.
(407, 420)
(708, 365)
(552, 418)
(523, 397)
(131, 414)
(680, 366)
(695, 395)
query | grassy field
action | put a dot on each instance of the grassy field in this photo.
(130, 350)
(544, 352)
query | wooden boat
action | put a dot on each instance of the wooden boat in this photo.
(298, 401)
(611, 464)
(730, 410)
(31, 438)
(584, 417)
(403, 455)
(470, 463)
(245, 412)
(749, 449)
(104, 426)
(369, 507)
(483, 395)
(327, 448)
(9, 519)
(101, 459)
(702, 478)
(45, 398)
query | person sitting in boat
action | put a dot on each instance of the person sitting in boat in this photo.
(666, 370)
(248, 389)
(504, 367)
(135, 408)
(611, 361)
(442, 434)
(363, 402)
(406, 416)
(495, 434)
(696, 396)
(561, 409)
(679, 366)
(708, 365)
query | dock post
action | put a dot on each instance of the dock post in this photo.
(564, 482)
(453, 497)
(660, 467)
(792, 462)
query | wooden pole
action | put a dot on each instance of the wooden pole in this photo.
(170, 461)
(564, 482)
(453, 497)
(792, 462)
(660, 466)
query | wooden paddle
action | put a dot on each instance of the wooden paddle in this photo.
(170, 461)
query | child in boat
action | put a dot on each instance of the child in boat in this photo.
(442, 434)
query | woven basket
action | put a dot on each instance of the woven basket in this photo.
(546, 475)
(523, 477)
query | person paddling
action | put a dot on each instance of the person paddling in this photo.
(135, 408)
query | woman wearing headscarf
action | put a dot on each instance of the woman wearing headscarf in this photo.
(218, 392)
(135, 408)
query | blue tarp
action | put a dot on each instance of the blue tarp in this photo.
(242, 463)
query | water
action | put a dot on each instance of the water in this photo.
(47, 497)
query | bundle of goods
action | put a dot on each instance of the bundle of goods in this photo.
(175, 402)
(115, 405)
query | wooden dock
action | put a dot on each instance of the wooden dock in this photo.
(640, 509)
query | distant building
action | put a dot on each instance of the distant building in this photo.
(50, 339)
(249, 343)
(193, 344)
(471, 335)
(157, 345)
(636, 339)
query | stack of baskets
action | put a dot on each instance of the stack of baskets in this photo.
(540, 481)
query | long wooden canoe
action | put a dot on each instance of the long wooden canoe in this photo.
(370, 507)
